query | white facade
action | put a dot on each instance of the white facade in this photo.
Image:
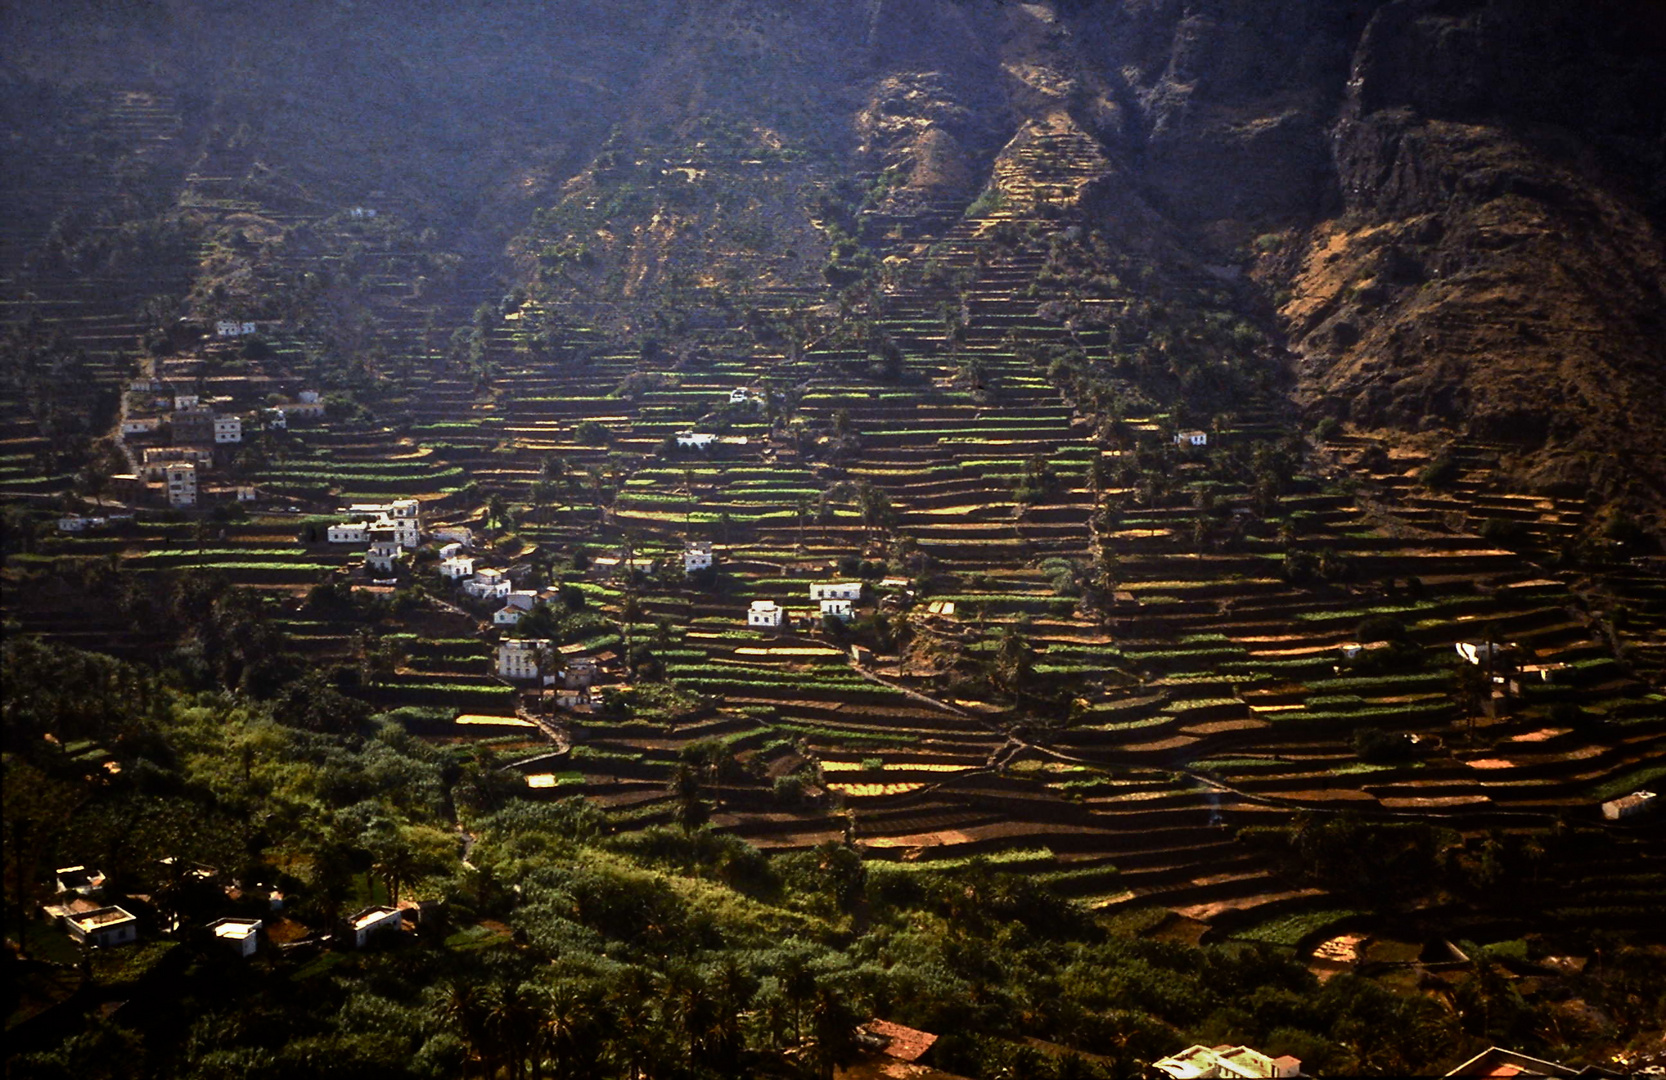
(739, 396)
(158, 458)
(838, 590)
(74, 523)
(182, 484)
(186, 401)
(347, 532)
(839, 609)
(455, 535)
(456, 569)
(1191, 438)
(507, 615)
(103, 926)
(489, 585)
(402, 531)
(309, 397)
(140, 425)
(246, 493)
(382, 557)
(765, 613)
(228, 429)
(242, 935)
(373, 920)
(697, 556)
(699, 439)
(230, 328)
(518, 658)
(277, 419)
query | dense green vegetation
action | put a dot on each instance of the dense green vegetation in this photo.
(563, 947)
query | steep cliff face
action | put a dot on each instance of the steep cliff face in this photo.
(1455, 204)
(1496, 267)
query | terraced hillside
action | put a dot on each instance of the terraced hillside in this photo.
(1126, 623)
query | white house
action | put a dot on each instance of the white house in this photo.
(230, 328)
(451, 551)
(516, 605)
(698, 439)
(454, 534)
(489, 585)
(1639, 802)
(1230, 1062)
(382, 557)
(140, 425)
(186, 401)
(1191, 438)
(402, 531)
(103, 926)
(456, 569)
(837, 590)
(766, 613)
(242, 935)
(517, 658)
(79, 880)
(839, 609)
(739, 396)
(579, 672)
(228, 429)
(697, 555)
(182, 484)
(309, 397)
(371, 922)
(347, 532)
(398, 522)
(74, 523)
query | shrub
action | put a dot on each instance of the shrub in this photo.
(1375, 746)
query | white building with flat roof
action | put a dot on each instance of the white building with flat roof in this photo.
(838, 609)
(242, 935)
(181, 478)
(103, 927)
(228, 429)
(382, 557)
(837, 590)
(371, 922)
(457, 568)
(517, 658)
(347, 532)
(765, 613)
(697, 555)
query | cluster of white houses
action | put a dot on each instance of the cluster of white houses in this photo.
(195, 430)
(398, 523)
(836, 600)
(80, 910)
